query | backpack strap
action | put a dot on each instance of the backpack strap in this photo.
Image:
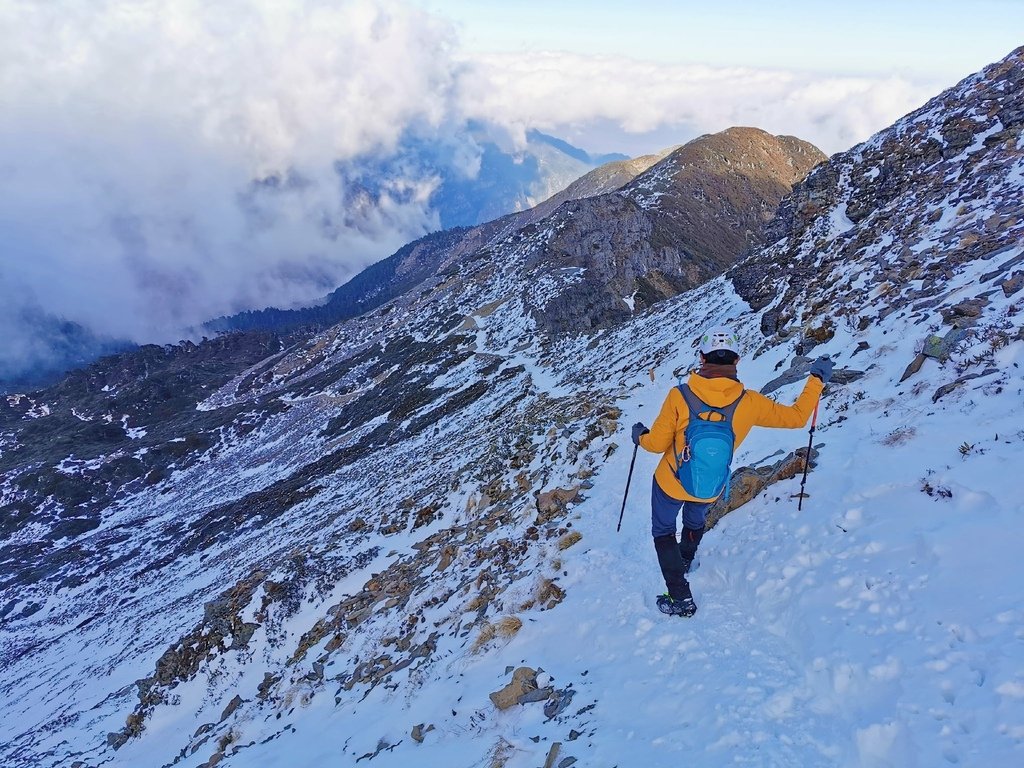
(698, 406)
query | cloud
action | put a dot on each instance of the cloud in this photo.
(569, 92)
(166, 163)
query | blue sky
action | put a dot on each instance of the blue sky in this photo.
(928, 40)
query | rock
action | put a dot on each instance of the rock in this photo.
(229, 710)
(567, 762)
(1013, 284)
(569, 539)
(820, 335)
(748, 482)
(549, 594)
(242, 635)
(117, 740)
(419, 731)
(553, 754)
(845, 376)
(861, 346)
(945, 389)
(540, 694)
(800, 369)
(553, 503)
(940, 348)
(965, 311)
(524, 680)
(425, 516)
(958, 133)
(914, 367)
(269, 681)
(447, 555)
(558, 702)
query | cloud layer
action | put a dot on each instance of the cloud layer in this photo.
(569, 92)
(165, 163)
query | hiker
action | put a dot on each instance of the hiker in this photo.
(716, 395)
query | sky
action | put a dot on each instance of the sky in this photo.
(893, 53)
(167, 163)
(909, 37)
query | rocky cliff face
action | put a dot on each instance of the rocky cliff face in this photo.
(939, 189)
(363, 514)
(673, 227)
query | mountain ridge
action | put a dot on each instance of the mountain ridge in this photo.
(335, 571)
(415, 262)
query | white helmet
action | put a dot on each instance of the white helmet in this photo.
(718, 338)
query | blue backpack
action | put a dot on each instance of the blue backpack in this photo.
(703, 466)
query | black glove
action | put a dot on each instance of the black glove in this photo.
(822, 368)
(638, 430)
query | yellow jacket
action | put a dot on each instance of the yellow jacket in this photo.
(754, 410)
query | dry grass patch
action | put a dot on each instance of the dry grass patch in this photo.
(500, 754)
(549, 594)
(569, 539)
(899, 436)
(478, 602)
(506, 628)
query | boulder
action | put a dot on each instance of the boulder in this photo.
(965, 312)
(229, 710)
(748, 482)
(940, 348)
(524, 680)
(914, 367)
(553, 503)
(419, 731)
(1013, 284)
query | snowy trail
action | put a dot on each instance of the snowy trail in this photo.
(841, 635)
(714, 689)
(723, 680)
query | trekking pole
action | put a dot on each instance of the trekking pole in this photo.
(807, 458)
(626, 494)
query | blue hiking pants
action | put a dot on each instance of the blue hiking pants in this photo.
(665, 512)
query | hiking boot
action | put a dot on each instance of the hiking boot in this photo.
(685, 607)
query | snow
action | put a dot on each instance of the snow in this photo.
(38, 411)
(839, 222)
(879, 626)
(133, 433)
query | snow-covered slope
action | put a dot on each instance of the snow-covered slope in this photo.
(419, 501)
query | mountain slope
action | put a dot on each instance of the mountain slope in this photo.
(602, 180)
(387, 525)
(684, 220)
(738, 176)
(471, 181)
